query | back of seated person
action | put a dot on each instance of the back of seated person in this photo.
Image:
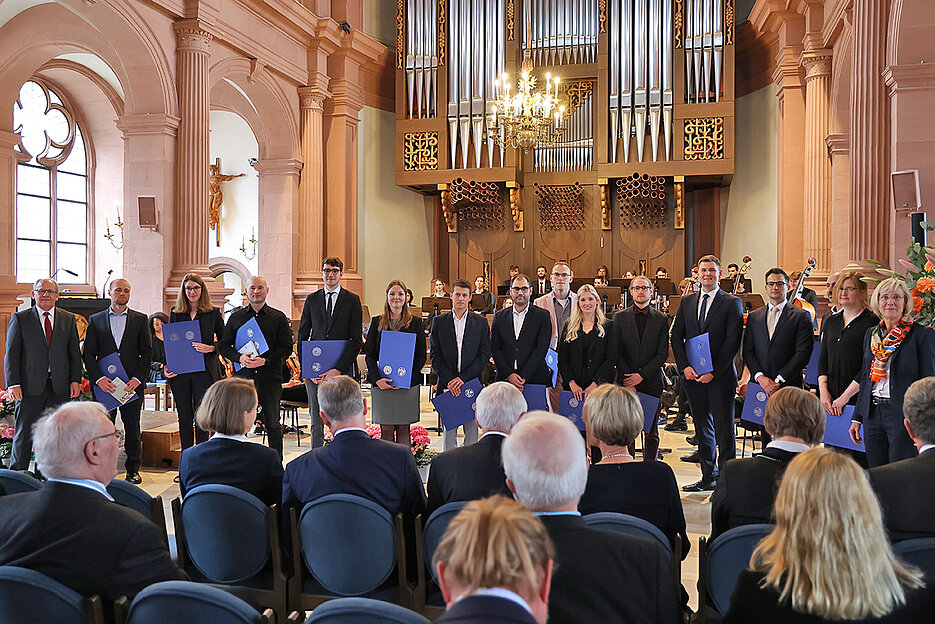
(228, 458)
(71, 529)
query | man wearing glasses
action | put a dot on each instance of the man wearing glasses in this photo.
(560, 302)
(519, 339)
(42, 364)
(643, 346)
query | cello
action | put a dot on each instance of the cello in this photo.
(796, 297)
(738, 279)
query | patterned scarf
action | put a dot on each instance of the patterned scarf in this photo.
(883, 347)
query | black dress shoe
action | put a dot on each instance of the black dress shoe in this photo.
(662, 420)
(700, 486)
(694, 458)
(134, 478)
(693, 440)
(678, 424)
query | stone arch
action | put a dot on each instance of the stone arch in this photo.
(223, 264)
(910, 32)
(840, 109)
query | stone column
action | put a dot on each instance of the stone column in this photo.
(817, 65)
(278, 185)
(839, 152)
(9, 289)
(869, 136)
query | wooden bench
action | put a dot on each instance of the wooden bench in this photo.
(162, 446)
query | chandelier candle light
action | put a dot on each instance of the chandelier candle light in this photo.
(526, 119)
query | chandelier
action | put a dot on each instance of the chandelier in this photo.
(526, 119)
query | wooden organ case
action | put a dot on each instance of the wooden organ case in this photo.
(632, 182)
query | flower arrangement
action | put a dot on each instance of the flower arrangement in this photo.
(419, 442)
(6, 440)
(7, 404)
(86, 394)
(919, 277)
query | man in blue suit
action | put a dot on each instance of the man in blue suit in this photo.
(519, 339)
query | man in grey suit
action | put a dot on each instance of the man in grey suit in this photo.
(42, 364)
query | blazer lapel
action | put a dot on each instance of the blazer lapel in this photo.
(103, 328)
(37, 326)
(713, 305)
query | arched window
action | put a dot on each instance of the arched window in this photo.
(52, 195)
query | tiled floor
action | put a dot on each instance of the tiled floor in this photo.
(696, 506)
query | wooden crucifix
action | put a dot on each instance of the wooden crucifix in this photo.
(216, 197)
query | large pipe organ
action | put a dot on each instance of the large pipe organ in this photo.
(646, 93)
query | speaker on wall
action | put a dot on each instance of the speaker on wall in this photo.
(906, 190)
(149, 213)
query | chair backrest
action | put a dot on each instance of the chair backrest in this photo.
(363, 611)
(434, 530)
(132, 496)
(359, 552)
(28, 597)
(225, 532)
(728, 555)
(16, 482)
(184, 602)
(919, 552)
(630, 525)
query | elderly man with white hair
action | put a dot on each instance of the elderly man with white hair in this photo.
(599, 576)
(474, 471)
(71, 529)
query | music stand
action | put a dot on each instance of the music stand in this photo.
(674, 302)
(578, 282)
(727, 285)
(664, 286)
(755, 300)
(609, 296)
(503, 290)
(501, 299)
(435, 305)
(478, 301)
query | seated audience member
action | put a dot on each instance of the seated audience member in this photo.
(475, 471)
(495, 565)
(618, 482)
(71, 529)
(905, 487)
(828, 558)
(353, 463)
(228, 458)
(293, 386)
(746, 487)
(599, 576)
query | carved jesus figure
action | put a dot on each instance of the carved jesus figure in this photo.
(215, 196)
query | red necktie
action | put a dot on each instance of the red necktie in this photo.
(48, 329)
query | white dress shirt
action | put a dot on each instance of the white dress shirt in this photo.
(770, 307)
(459, 333)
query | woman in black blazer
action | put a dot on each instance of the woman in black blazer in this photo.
(158, 364)
(194, 304)
(228, 458)
(394, 409)
(897, 352)
(586, 351)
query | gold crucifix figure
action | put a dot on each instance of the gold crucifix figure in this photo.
(215, 196)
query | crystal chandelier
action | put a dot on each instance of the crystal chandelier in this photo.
(526, 119)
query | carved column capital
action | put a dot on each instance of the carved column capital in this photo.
(838, 144)
(312, 97)
(278, 166)
(191, 37)
(817, 63)
(133, 125)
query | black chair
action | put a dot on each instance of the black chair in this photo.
(428, 595)
(722, 561)
(229, 537)
(919, 552)
(17, 482)
(184, 602)
(137, 499)
(29, 597)
(363, 611)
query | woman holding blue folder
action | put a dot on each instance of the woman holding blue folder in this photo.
(394, 408)
(194, 304)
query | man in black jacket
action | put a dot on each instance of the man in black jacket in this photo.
(330, 313)
(265, 369)
(126, 332)
(519, 339)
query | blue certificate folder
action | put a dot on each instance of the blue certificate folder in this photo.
(112, 368)
(536, 399)
(754, 404)
(571, 408)
(181, 356)
(551, 360)
(836, 430)
(319, 356)
(248, 333)
(397, 352)
(650, 405)
(698, 350)
(458, 410)
(811, 372)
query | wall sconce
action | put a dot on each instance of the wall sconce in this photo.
(118, 245)
(243, 245)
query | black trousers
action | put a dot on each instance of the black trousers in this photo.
(132, 444)
(269, 393)
(318, 427)
(712, 408)
(26, 413)
(885, 436)
(188, 390)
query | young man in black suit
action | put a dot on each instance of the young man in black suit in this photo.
(42, 364)
(476, 471)
(746, 488)
(711, 395)
(460, 350)
(519, 339)
(542, 285)
(904, 487)
(598, 576)
(121, 330)
(642, 348)
(330, 313)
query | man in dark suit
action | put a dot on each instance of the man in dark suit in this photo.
(598, 576)
(71, 529)
(642, 347)
(265, 369)
(519, 339)
(460, 350)
(354, 463)
(475, 471)
(746, 488)
(121, 330)
(542, 285)
(514, 271)
(904, 487)
(42, 364)
(330, 313)
(711, 395)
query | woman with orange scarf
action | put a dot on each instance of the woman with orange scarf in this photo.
(897, 352)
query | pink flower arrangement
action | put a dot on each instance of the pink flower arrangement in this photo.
(6, 432)
(419, 445)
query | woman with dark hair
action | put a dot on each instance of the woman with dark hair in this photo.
(158, 364)
(394, 408)
(194, 304)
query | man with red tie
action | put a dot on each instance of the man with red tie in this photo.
(42, 364)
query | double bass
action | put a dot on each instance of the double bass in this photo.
(738, 279)
(796, 296)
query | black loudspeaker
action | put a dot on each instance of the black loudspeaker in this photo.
(149, 213)
(906, 190)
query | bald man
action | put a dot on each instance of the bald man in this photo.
(265, 369)
(118, 329)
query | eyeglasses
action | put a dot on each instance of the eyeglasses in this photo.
(848, 289)
(775, 284)
(561, 275)
(331, 271)
(519, 288)
(117, 434)
(192, 288)
(893, 297)
(641, 287)
(46, 291)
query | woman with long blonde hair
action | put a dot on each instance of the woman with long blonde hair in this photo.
(586, 351)
(828, 559)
